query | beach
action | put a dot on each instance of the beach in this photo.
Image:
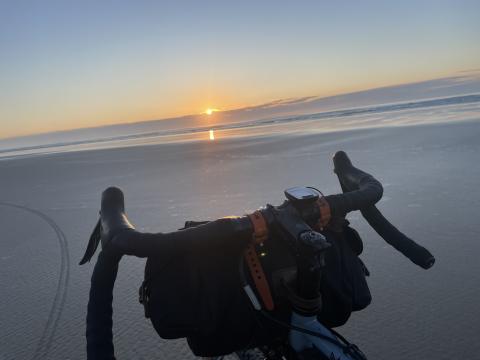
(430, 174)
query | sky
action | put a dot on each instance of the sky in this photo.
(73, 64)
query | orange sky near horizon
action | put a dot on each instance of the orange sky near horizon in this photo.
(67, 66)
(148, 108)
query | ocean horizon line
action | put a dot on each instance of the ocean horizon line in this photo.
(324, 115)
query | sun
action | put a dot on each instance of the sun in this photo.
(210, 111)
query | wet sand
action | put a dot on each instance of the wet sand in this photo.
(430, 174)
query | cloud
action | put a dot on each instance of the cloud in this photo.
(467, 83)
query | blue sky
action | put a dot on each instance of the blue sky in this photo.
(71, 64)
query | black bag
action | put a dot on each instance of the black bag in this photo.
(197, 294)
(344, 287)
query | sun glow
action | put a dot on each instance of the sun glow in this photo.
(210, 111)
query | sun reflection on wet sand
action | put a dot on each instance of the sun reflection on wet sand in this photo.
(212, 135)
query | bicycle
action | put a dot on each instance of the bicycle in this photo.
(296, 234)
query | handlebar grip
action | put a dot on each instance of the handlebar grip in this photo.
(369, 192)
(416, 253)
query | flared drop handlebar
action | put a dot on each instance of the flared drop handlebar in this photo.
(361, 191)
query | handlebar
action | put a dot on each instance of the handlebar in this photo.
(416, 253)
(360, 190)
(369, 192)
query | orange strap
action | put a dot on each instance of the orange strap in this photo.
(258, 276)
(260, 235)
(260, 229)
(325, 213)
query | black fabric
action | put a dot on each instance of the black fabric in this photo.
(197, 293)
(344, 286)
(186, 290)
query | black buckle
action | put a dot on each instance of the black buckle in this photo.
(144, 298)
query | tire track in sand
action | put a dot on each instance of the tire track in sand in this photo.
(46, 339)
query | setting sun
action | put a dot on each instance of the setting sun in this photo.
(210, 111)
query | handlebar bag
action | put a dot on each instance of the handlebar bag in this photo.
(197, 294)
(344, 286)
